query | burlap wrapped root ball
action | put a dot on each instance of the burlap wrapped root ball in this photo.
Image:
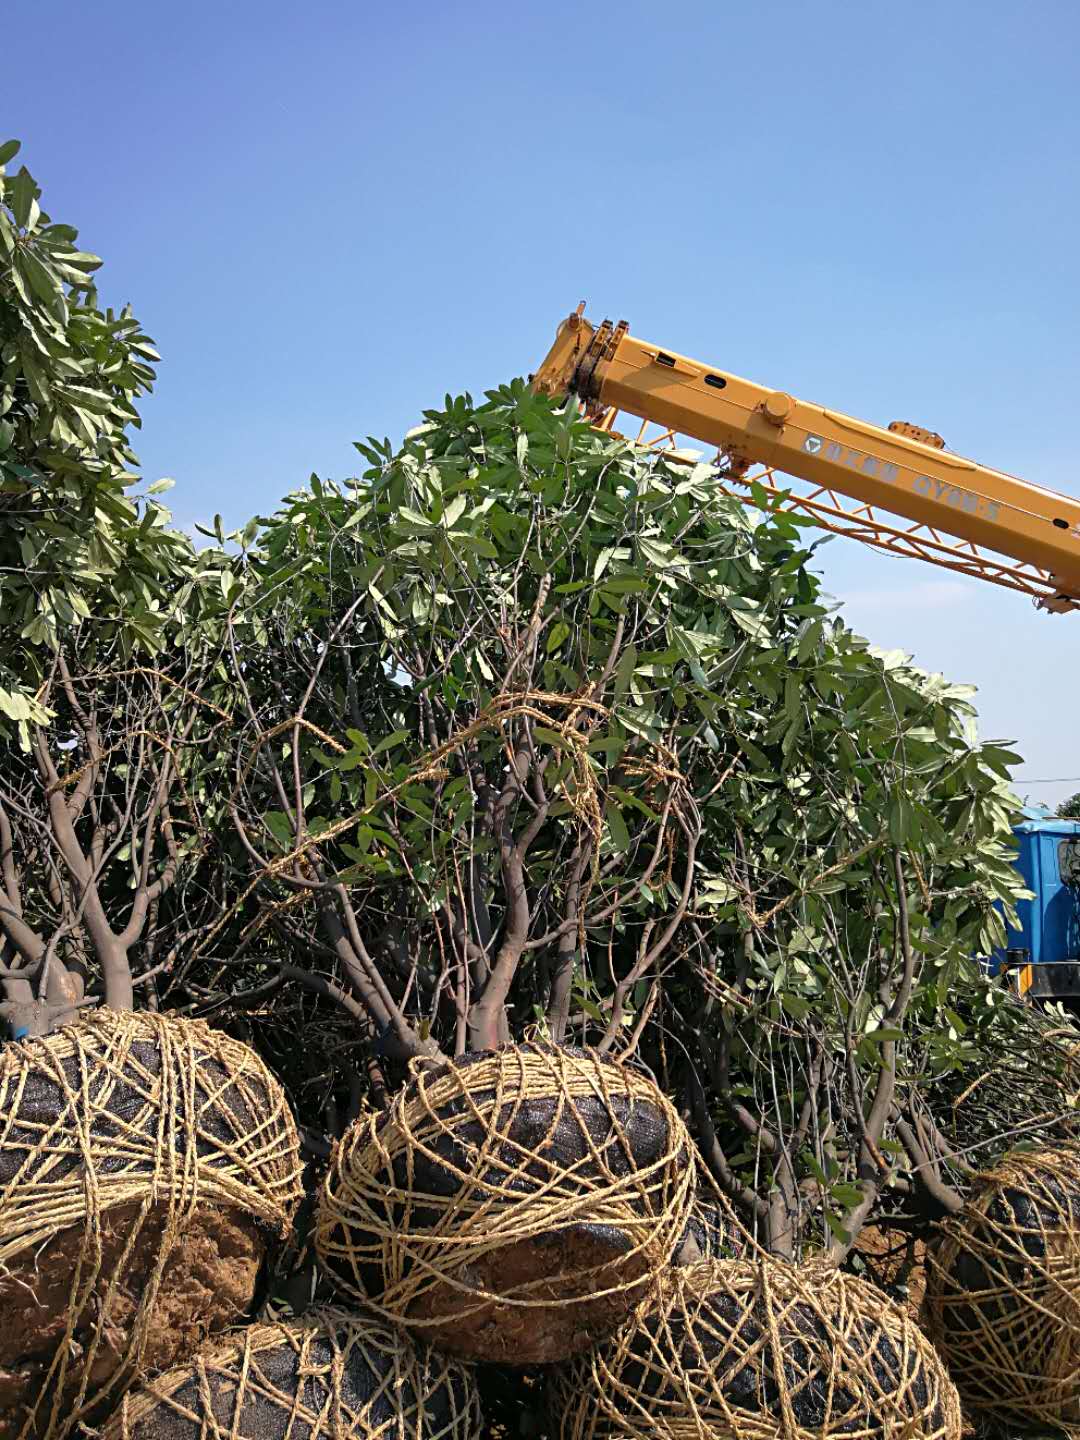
(324, 1377)
(511, 1205)
(1003, 1291)
(753, 1350)
(146, 1164)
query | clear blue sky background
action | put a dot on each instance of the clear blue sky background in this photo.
(330, 214)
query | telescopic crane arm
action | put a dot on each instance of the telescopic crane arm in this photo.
(897, 489)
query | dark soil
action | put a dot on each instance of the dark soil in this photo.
(227, 1110)
(1023, 1219)
(709, 1356)
(1004, 1301)
(558, 1146)
(894, 1261)
(512, 1402)
(209, 1281)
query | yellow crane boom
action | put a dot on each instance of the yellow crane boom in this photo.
(897, 489)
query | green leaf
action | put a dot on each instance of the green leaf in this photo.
(836, 1226)
(624, 671)
(44, 285)
(846, 1195)
(20, 190)
(556, 635)
(454, 511)
(390, 741)
(15, 706)
(618, 834)
(899, 818)
(603, 560)
(160, 486)
(8, 150)
(281, 828)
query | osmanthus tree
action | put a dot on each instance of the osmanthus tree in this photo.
(542, 734)
(77, 551)
(111, 691)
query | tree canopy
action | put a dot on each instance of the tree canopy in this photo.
(77, 549)
(540, 732)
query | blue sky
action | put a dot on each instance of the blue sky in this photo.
(329, 215)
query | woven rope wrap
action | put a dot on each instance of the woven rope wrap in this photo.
(757, 1350)
(528, 1193)
(163, 1116)
(326, 1377)
(1003, 1294)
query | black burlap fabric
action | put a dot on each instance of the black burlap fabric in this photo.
(329, 1376)
(511, 1204)
(757, 1350)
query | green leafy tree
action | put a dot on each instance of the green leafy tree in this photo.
(113, 689)
(541, 732)
(1070, 809)
(77, 550)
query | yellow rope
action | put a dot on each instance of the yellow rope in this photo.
(497, 1132)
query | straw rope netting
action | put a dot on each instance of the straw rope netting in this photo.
(510, 1204)
(139, 1154)
(326, 1377)
(754, 1351)
(1003, 1291)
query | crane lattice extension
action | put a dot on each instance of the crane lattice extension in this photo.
(897, 489)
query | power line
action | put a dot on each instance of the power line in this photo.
(1053, 780)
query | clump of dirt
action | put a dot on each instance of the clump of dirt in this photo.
(146, 1164)
(566, 1269)
(209, 1279)
(895, 1261)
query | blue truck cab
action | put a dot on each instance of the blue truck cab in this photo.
(1042, 958)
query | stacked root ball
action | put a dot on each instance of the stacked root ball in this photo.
(1003, 1295)
(531, 1206)
(145, 1166)
(757, 1350)
(511, 1206)
(325, 1377)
